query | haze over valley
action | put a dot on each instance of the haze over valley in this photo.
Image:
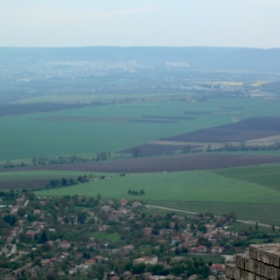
(138, 140)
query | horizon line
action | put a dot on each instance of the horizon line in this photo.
(135, 46)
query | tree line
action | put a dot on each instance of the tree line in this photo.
(135, 192)
(64, 182)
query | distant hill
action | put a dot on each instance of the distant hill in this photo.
(213, 58)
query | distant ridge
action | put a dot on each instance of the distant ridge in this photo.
(213, 58)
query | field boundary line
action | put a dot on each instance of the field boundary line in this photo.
(195, 213)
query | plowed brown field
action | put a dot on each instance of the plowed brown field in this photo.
(164, 163)
(245, 130)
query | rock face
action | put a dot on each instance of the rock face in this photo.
(261, 262)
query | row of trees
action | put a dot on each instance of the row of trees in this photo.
(242, 147)
(189, 267)
(63, 182)
(103, 155)
(134, 192)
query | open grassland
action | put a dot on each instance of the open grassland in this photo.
(265, 175)
(197, 191)
(88, 130)
(175, 186)
(28, 135)
(35, 177)
(31, 135)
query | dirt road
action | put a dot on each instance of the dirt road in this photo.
(195, 213)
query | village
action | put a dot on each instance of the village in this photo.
(92, 238)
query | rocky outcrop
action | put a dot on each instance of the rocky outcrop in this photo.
(260, 262)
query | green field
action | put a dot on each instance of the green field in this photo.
(176, 186)
(25, 136)
(252, 192)
(268, 175)
(125, 104)
(198, 191)
(267, 213)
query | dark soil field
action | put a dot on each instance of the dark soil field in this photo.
(154, 121)
(161, 164)
(252, 128)
(85, 119)
(20, 109)
(197, 113)
(145, 119)
(155, 149)
(23, 184)
(169, 118)
(233, 108)
(162, 119)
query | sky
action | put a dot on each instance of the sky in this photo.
(72, 23)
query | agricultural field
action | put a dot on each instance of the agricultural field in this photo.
(266, 175)
(193, 161)
(198, 191)
(267, 213)
(248, 129)
(207, 181)
(37, 179)
(256, 132)
(206, 136)
(116, 127)
(158, 148)
(21, 109)
(174, 186)
(86, 131)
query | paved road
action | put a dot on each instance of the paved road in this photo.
(13, 250)
(195, 213)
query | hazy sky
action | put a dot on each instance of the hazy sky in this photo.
(238, 23)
